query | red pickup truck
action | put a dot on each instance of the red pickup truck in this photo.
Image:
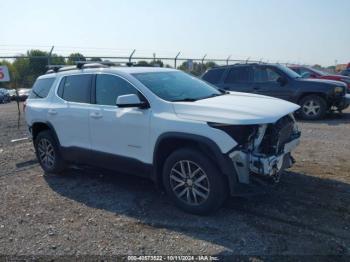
(309, 72)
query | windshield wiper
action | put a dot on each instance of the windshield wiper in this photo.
(213, 95)
(187, 99)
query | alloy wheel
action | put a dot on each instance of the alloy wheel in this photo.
(311, 108)
(46, 153)
(189, 182)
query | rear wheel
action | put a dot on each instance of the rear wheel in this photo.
(48, 153)
(313, 107)
(193, 182)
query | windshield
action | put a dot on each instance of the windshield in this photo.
(289, 71)
(177, 86)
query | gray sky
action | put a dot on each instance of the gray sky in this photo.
(303, 31)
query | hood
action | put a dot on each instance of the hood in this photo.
(235, 108)
(321, 81)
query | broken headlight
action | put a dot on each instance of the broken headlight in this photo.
(242, 134)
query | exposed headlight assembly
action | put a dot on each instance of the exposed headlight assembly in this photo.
(240, 133)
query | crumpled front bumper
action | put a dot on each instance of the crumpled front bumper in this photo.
(247, 164)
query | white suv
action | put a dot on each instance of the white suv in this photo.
(200, 143)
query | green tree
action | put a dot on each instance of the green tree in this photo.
(22, 76)
(75, 57)
(142, 63)
(38, 61)
(157, 63)
(57, 60)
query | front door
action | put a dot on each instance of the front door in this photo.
(266, 83)
(118, 133)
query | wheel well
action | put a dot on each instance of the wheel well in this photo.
(39, 127)
(317, 94)
(169, 145)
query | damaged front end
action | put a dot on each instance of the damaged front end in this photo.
(264, 151)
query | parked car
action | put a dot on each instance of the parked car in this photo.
(23, 93)
(315, 96)
(4, 96)
(345, 72)
(199, 143)
(309, 72)
(12, 93)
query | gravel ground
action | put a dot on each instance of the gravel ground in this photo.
(94, 212)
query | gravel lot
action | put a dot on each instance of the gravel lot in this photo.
(94, 212)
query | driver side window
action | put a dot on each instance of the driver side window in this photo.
(265, 74)
(109, 87)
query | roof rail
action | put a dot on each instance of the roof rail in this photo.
(79, 65)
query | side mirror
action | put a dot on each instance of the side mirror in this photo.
(131, 100)
(281, 80)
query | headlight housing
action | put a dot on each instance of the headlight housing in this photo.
(339, 90)
(240, 133)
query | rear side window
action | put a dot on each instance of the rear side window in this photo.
(41, 88)
(238, 75)
(214, 75)
(109, 87)
(75, 88)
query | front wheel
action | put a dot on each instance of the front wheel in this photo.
(193, 182)
(313, 107)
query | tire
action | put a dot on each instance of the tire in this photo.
(206, 179)
(313, 107)
(48, 153)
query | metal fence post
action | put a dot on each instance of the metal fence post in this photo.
(228, 59)
(49, 56)
(132, 53)
(176, 59)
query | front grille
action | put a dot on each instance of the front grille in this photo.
(277, 135)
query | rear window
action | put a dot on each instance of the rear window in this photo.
(75, 88)
(41, 88)
(214, 75)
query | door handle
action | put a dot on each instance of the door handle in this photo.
(52, 112)
(256, 87)
(96, 115)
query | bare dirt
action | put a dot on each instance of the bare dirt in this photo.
(95, 212)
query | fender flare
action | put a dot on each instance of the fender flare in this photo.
(52, 129)
(222, 161)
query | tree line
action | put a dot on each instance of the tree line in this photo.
(26, 68)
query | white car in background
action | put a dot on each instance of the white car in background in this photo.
(198, 142)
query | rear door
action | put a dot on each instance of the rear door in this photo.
(266, 83)
(238, 78)
(69, 111)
